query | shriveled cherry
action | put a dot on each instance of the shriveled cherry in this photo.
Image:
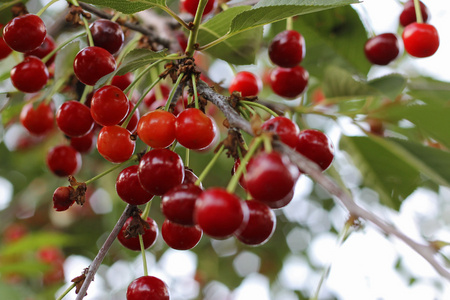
(289, 82)
(132, 243)
(115, 144)
(61, 198)
(180, 237)
(286, 130)
(92, 63)
(148, 288)
(157, 128)
(29, 76)
(74, 119)
(63, 160)
(259, 226)
(420, 39)
(316, 146)
(39, 118)
(129, 188)
(179, 202)
(287, 49)
(109, 105)
(194, 129)
(190, 6)
(247, 83)
(382, 49)
(24, 33)
(160, 170)
(107, 34)
(408, 14)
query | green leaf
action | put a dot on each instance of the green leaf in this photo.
(23, 267)
(128, 6)
(139, 58)
(240, 49)
(64, 59)
(36, 241)
(340, 83)
(390, 85)
(429, 89)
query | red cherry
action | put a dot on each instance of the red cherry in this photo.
(236, 165)
(157, 128)
(122, 81)
(160, 170)
(13, 233)
(151, 97)
(316, 146)
(63, 160)
(92, 63)
(54, 259)
(109, 105)
(74, 119)
(180, 237)
(289, 82)
(84, 144)
(270, 176)
(61, 198)
(24, 33)
(148, 288)
(260, 225)
(45, 48)
(282, 202)
(29, 76)
(179, 202)
(190, 6)
(133, 124)
(114, 143)
(382, 49)
(129, 188)
(190, 177)
(408, 14)
(287, 49)
(38, 119)
(107, 35)
(132, 243)
(193, 129)
(5, 51)
(286, 130)
(247, 83)
(218, 213)
(420, 39)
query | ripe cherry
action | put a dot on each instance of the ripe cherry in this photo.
(29, 76)
(109, 105)
(157, 128)
(160, 170)
(179, 202)
(420, 39)
(242, 181)
(74, 119)
(122, 81)
(24, 33)
(63, 160)
(270, 176)
(316, 146)
(287, 49)
(408, 14)
(5, 51)
(180, 237)
(382, 49)
(289, 82)
(84, 144)
(129, 188)
(218, 213)
(61, 198)
(259, 226)
(107, 34)
(132, 243)
(92, 63)
(247, 83)
(152, 96)
(193, 129)
(45, 48)
(286, 130)
(148, 288)
(39, 118)
(190, 6)
(114, 143)
(282, 202)
(133, 123)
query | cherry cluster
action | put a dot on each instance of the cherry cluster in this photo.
(419, 38)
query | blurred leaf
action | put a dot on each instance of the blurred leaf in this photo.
(390, 85)
(240, 49)
(338, 82)
(12, 292)
(23, 267)
(128, 6)
(64, 59)
(36, 241)
(425, 88)
(139, 58)
(10, 112)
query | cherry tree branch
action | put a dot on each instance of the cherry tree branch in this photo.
(310, 168)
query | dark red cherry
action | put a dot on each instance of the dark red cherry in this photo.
(236, 165)
(5, 51)
(289, 82)
(282, 202)
(84, 144)
(382, 49)
(45, 48)
(132, 243)
(148, 288)
(115, 144)
(109, 105)
(29, 76)
(74, 119)
(179, 202)
(107, 34)
(24, 33)
(38, 119)
(180, 237)
(63, 160)
(218, 213)
(420, 39)
(316, 146)
(259, 226)
(160, 170)
(152, 96)
(129, 188)
(286, 130)
(287, 49)
(92, 63)
(247, 83)
(190, 6)
(193, 129)
(122, 81)
(61, 198)
(408, 15)
(133, 123)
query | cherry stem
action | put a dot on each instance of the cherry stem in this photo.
(240, 170)
(158, 91)
(144, 258)
(67, 291)
(190, 49)
(132, 158)
(86, 91)
(209, 166)
(68, 41)
(116, 16)
(6, 5)
(172, 92)
(259, 105)
(88, 31)
(128, 47)
(249, 108)
(146, 211)
(244, 113)
(194, 87)
(290, 23)
(41, 11)
(175, 16)
(186, 158)
(142, 74)
(267, 143)
(418, 11)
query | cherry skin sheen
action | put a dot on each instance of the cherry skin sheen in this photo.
(45, 48)
(180, 237)
(63, 160)
(24, 33)
(37, 120)
(157, 128)
(148, 288)
(74, 119)
(287, 49)
(420, 39)
(92, 63)
(408, 14)
(115, 144)
(286, 130)
(382, 49)
(193, 129)
(289, 82)
(178, 203)
(132, 243)
(129, 188)
(316, 146)
(29, 76)
(109, 105)
(107, 35)
(247, 83)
